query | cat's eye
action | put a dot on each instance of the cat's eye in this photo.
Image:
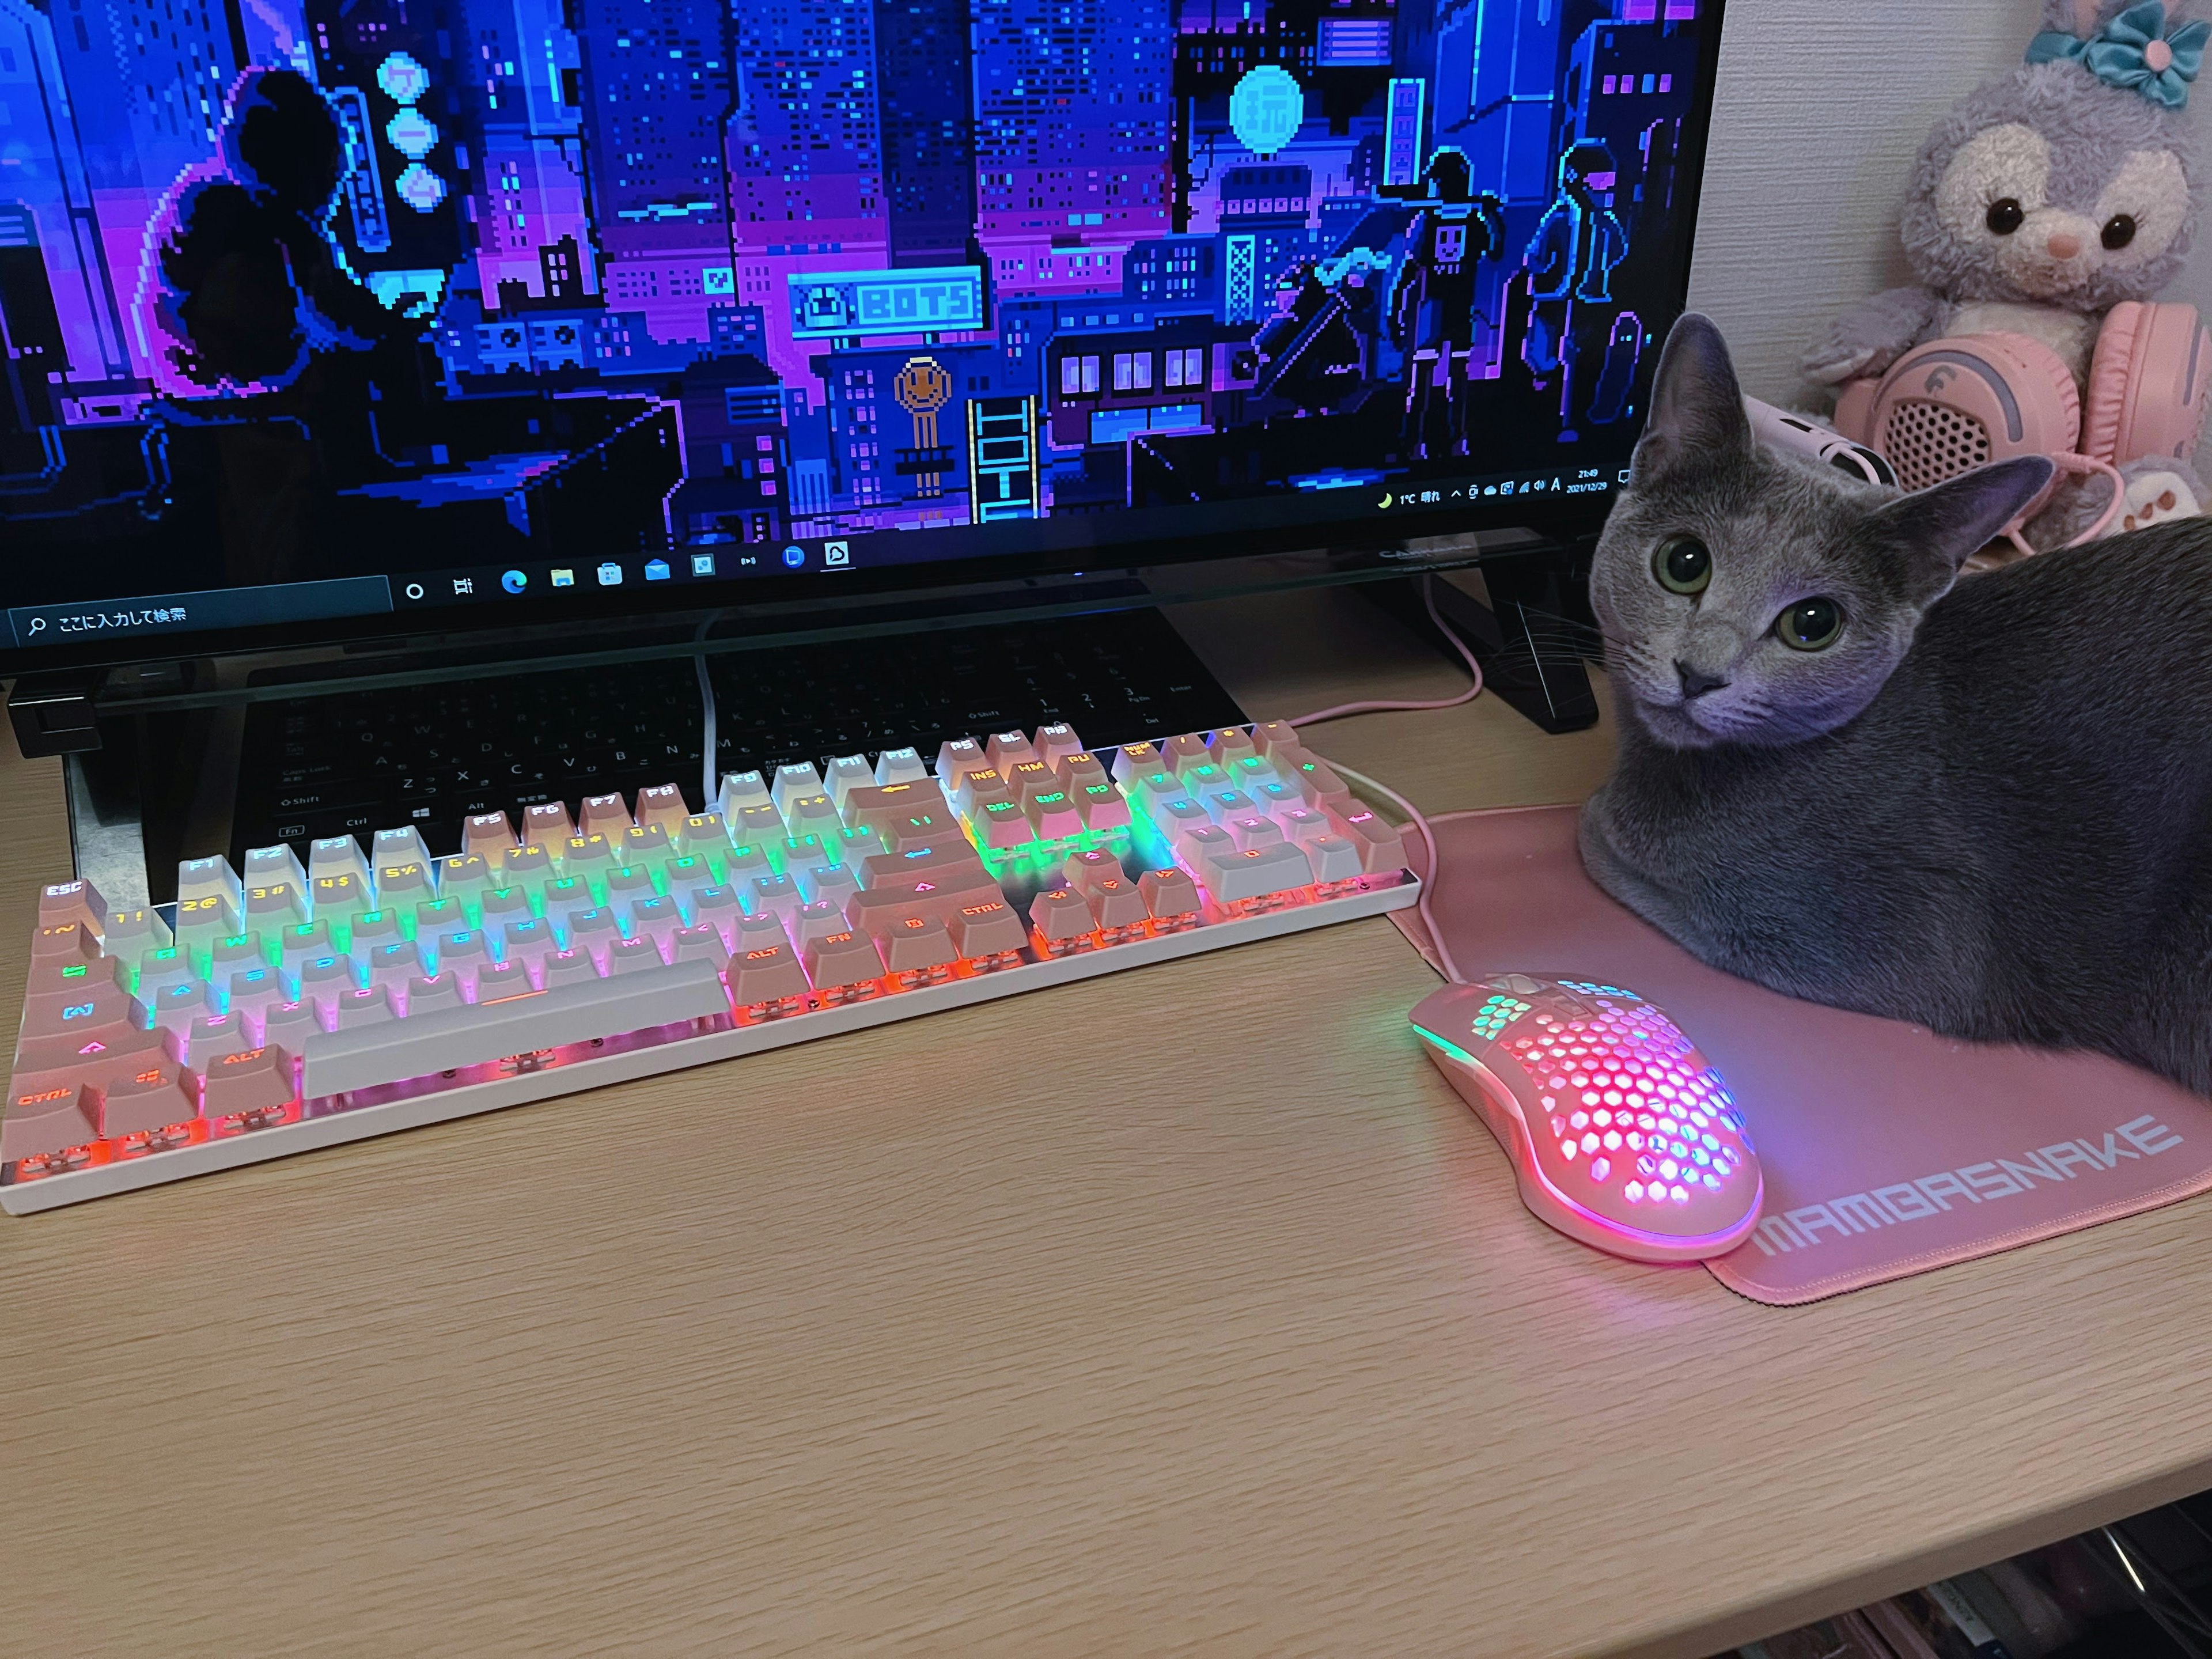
(1810, 624)
(2005, 216)
(2119, 230)
(1682, 565)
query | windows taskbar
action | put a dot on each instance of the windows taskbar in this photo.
(223, 610)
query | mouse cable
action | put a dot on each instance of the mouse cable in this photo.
(1413, 814)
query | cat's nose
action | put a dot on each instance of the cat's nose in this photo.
(1695, 681)
(2063, 245)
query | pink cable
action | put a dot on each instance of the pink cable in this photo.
(2067, 461)
(1474, 668)
(1414, 813)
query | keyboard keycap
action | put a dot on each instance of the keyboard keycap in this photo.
(209, 879)
(739, 791)
(1258, 872)
(605, 816)
(840, 962)
(73, 901)
(209, 1040)
(661, 807)
(49, 1117)
(129, 932)
(900, 766)
(1118, 906)
(766, 976)
(336, 855)
(1061, 915)
(69, 940)
(1335, 859)
(489, 836)
(916, 944)
(253, 1080)
(1170, 896)
(1381, 847)
(1274, 737)
(846, 774)
(546, 825)
(154, 1097)
(987, 930)
(402, 846)
(273, 866)
(793, 780)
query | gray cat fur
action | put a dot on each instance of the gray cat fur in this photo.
(1987, 809)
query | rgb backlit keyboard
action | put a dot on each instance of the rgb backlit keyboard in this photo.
(281, 1008)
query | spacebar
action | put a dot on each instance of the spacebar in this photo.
(366, 1055)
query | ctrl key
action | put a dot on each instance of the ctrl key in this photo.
(50, 1125)
(250, 1090)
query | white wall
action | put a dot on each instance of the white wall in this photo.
(1819, 110)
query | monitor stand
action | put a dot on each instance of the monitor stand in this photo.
(1532, 637)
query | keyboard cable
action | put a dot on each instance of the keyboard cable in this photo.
(1413, 814)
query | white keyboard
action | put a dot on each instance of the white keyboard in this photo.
(286, 1007)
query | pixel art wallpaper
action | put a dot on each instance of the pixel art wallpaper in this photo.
(292, 288)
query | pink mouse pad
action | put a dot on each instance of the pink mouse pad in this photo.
(1887, 1150)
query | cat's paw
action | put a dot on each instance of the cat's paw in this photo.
(2154, 498)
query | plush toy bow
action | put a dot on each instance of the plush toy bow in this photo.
(2137, 50)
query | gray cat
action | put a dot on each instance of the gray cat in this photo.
(1984, 807)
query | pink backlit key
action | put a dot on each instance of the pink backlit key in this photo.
(957, 757)
(1275, 738)
(210, 1039)
(1380, 847)
(72, 900)
(489, 836)
(1137, 760)
(546, 825)
(1061, 915)
(1054, 743)
(1084, 870)
(1252, 829)
(1230, 744)
(1117, 904)
(1258, 871)
(1054, 816)
(841, 960)
(1103, 807)
(766, 976)
(916, 944)
(68, 940)
(603, 815)
(1170, 896)
(255, 1080)
(662, 805)
(83, 1005)
(49, 1118)
(1004, 750)
(156, 1097)
(988, 929)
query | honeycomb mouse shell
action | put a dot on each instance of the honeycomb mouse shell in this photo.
(1622, 1135)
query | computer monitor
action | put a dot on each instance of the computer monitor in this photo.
(326, 323)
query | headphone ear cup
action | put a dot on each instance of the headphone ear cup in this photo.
(1954, 403)
(2147, 384)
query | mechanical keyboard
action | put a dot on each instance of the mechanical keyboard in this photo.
(281, 1008)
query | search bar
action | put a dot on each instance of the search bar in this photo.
(199, 612)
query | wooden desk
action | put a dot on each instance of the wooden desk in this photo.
(1188, 1310)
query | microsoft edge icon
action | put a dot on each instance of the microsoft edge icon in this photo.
(514, 581)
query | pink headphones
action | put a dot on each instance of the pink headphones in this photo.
(1954, 403)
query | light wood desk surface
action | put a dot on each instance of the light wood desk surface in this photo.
(1187, 1311)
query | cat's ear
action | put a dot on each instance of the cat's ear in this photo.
(1940, 528)
(1697, 407)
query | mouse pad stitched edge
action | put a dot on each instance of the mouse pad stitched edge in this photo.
(1887, 1150)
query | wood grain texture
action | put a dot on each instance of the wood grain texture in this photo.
(1186, 1311)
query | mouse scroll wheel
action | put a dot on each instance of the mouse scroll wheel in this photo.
(1519, 984)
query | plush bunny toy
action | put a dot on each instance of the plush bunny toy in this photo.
(2040, 202)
